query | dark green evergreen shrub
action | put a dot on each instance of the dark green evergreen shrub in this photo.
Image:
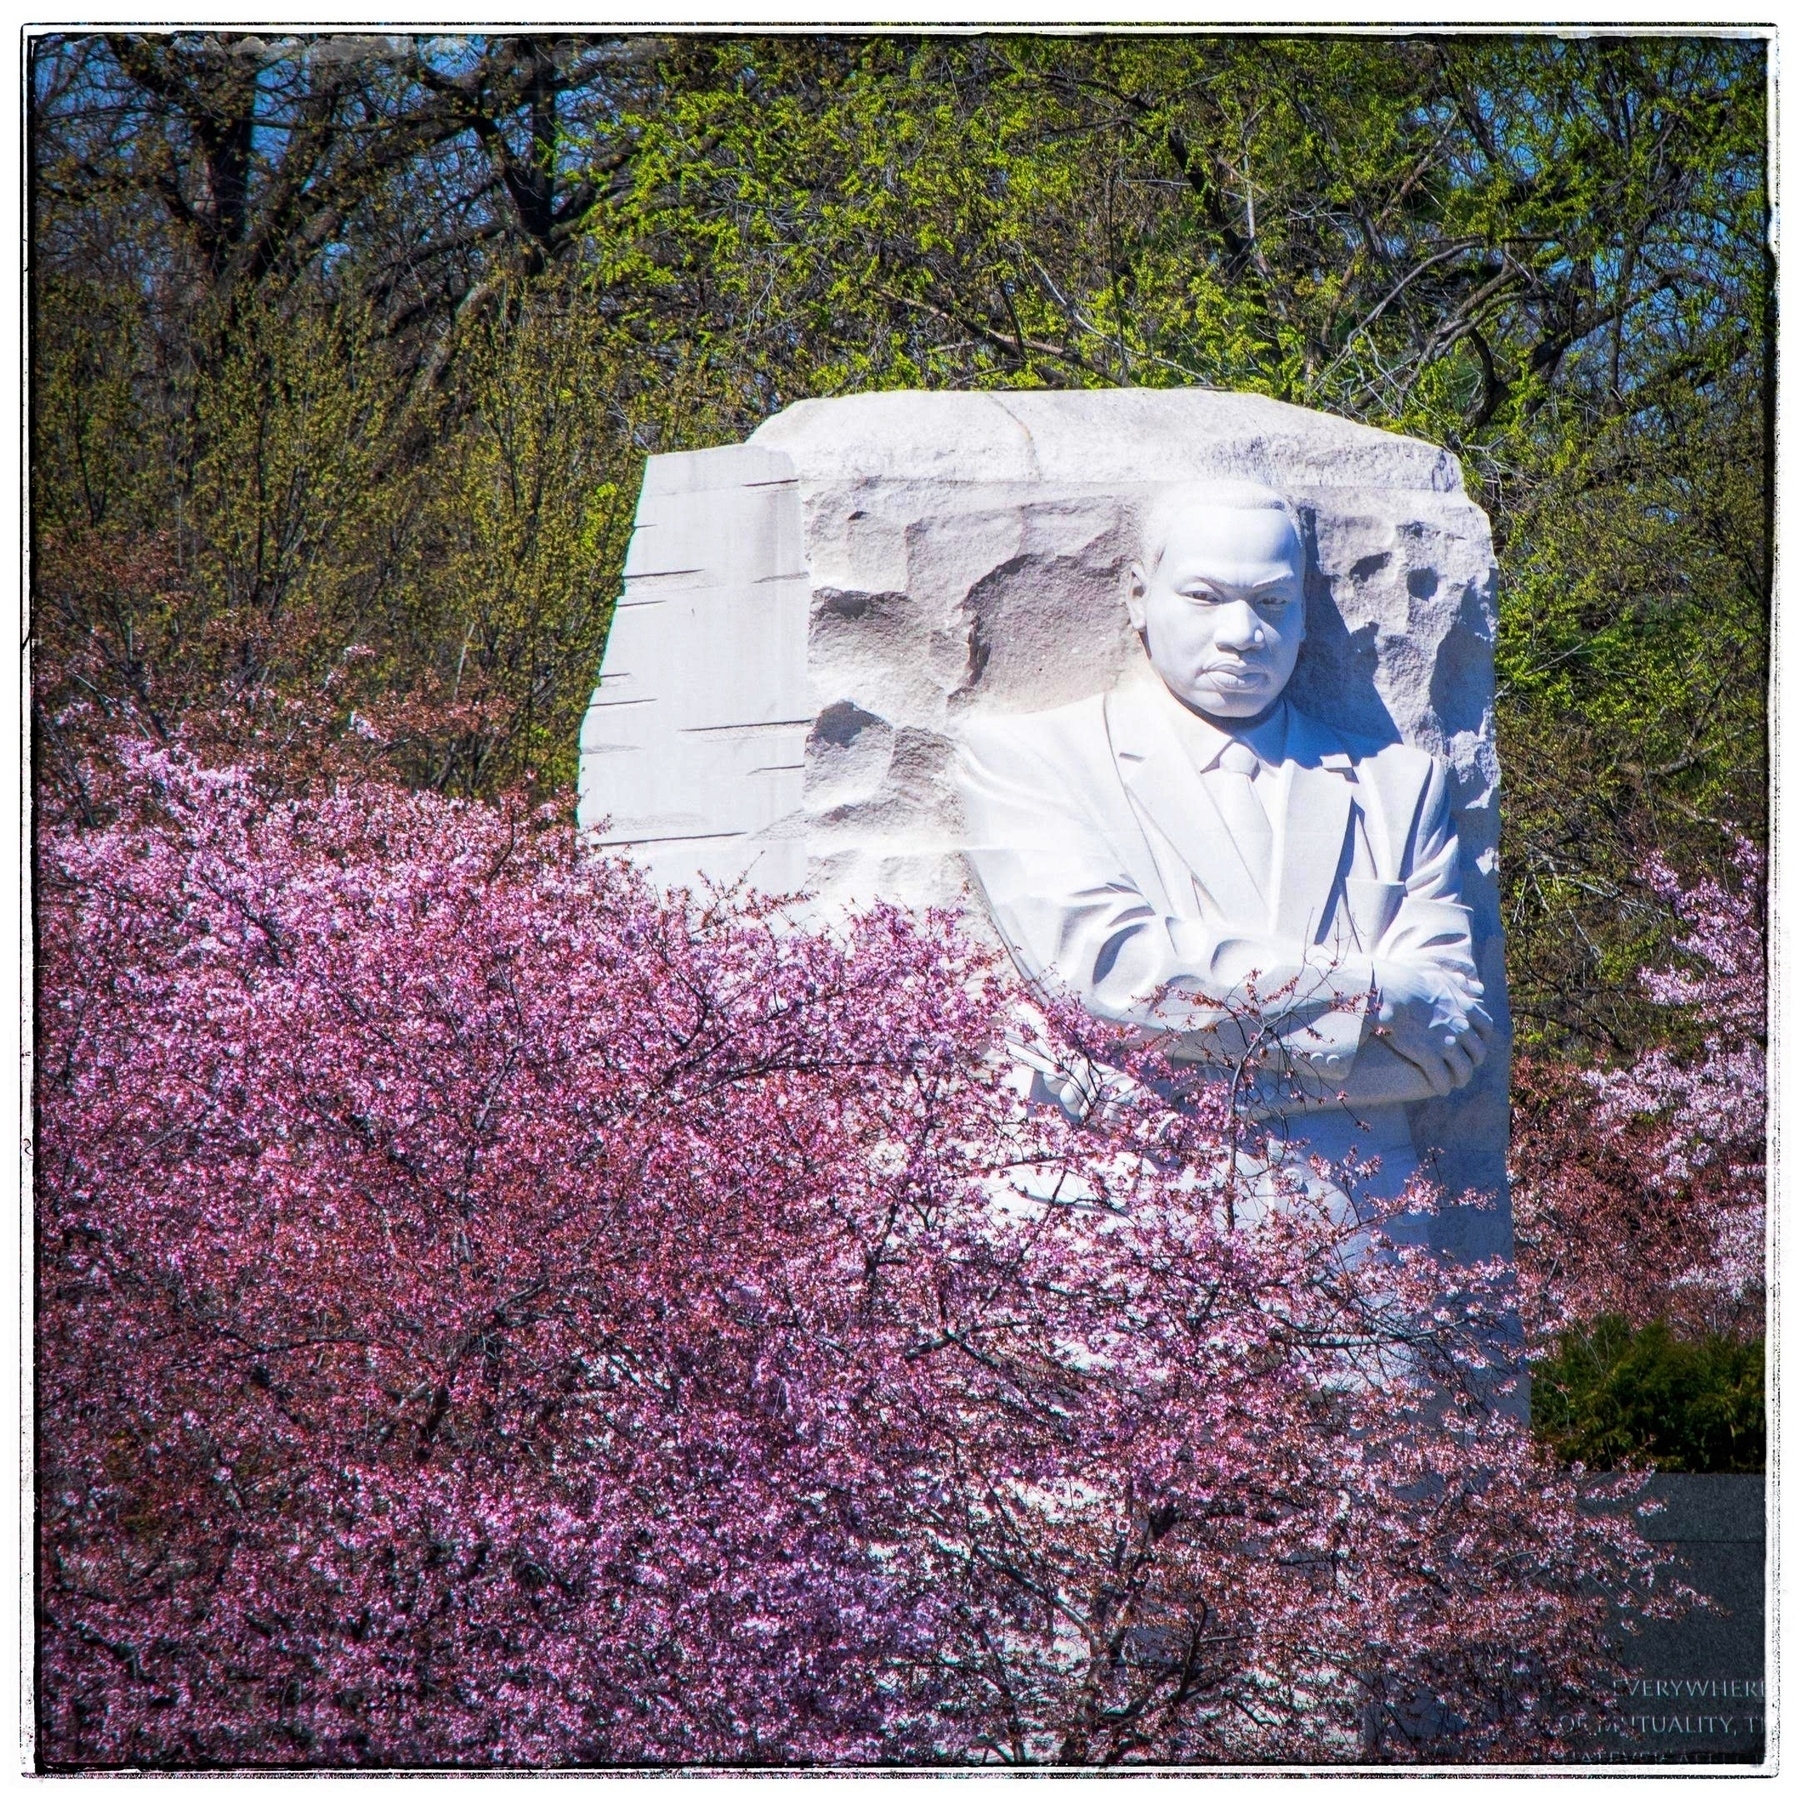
(1611, 1397)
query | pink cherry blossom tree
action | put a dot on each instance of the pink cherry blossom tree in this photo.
(489, 1316)
(1639, 1191)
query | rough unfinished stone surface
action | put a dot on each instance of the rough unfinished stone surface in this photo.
(808, 617)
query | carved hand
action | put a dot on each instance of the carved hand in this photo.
(1433, 1019)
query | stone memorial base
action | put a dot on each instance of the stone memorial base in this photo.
(1696, 1695)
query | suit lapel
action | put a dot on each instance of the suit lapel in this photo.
(1161, 780)
(1315, 823)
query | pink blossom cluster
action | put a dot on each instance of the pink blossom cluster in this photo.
(492, 1316)
(1639, 1191)
(1709, 1111)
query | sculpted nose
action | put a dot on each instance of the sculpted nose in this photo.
(1239, 628)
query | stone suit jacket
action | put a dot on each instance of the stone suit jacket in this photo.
(1113, 879)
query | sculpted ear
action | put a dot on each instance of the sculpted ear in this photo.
(1137, 584)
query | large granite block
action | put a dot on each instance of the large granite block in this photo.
(812, 619)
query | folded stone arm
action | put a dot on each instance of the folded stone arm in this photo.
(1376, 1027)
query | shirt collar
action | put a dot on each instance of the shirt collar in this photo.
(1205, 742)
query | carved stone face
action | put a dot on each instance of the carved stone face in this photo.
(1224, 611)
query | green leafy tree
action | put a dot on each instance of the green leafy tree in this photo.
(1550, 255)
(524, 262)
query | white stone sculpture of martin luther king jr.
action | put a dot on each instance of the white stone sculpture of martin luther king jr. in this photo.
(1164, 849)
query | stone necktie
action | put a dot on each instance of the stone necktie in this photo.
(1234, 792)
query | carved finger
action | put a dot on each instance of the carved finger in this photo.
(1429, 1061)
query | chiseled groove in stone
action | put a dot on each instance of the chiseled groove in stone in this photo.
(689, 837)
(750, 725)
